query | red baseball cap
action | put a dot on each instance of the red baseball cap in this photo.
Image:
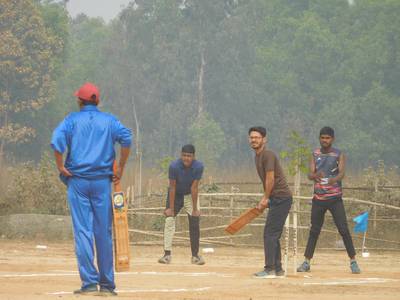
(87, 91)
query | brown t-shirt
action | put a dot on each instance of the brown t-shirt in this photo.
(267, 161)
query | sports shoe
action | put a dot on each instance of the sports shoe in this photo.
(304, 267)
(166, 259)
(355, 269)
(107, 292)
(280, 273)
(89, 290)
(198, 260)
(265, 274)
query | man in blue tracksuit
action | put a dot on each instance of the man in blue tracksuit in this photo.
(88, 137)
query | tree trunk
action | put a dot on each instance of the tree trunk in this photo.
(200, 87)
(138, 158)
(2, 143)
(297, 180)
(1, 153)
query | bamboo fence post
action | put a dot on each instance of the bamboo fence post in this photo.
(231, 210)
(128, 194)
(149, 188)
(376, 197)
(133, 195)
(297, 181)
(209, 204)
(286, 255)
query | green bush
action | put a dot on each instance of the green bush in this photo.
(34, 189)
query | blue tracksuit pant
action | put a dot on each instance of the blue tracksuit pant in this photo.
(91, 211)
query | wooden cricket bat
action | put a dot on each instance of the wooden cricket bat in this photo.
(121, 233)
(245, 218)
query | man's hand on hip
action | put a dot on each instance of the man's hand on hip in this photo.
(118, 175)
(63, 170)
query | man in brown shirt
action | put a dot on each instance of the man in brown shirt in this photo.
(277, 197)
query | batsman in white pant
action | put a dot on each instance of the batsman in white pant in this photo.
(184, 176)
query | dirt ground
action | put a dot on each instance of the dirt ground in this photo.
(28, 272)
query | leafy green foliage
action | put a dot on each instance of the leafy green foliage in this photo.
(34, 36)
(163, 164)
(210, 188)
(380, 175)
(28, 51)
(158, 223)
(35, 189)
(297, 155)
(286, 65)
(209, 139)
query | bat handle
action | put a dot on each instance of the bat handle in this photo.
(117, 186)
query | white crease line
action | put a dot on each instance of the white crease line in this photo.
(146, 291)
(165, 290)
(187, 274)
(60, 293)
(123, 273)
(359, 281)
(65, 271)
(38, 275)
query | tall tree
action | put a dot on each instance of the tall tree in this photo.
(283, 64)
(27, 49)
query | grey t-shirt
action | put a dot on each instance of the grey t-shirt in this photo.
(267, 161)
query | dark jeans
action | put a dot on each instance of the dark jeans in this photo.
(194, 223)
(276, 217)
(318, 211)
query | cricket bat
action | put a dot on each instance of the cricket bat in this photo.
(121, 234)
(245, 218)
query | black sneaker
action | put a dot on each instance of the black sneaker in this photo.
(355, 269)
(198, 260)
(280, 273)
(107, 292)
(166, 259)
(265, 274)
(304, 267)
(89, 290)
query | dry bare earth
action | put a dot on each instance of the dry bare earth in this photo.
(30, 273)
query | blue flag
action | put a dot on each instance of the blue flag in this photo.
(361, 222)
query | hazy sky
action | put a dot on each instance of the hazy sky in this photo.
(107, 9)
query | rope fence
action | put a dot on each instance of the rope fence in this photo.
(220, 208)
